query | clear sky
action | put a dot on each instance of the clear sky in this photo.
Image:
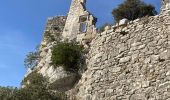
(22, 23)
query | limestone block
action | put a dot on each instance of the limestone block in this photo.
(104, 33)
(138, 97)
(110, 31)
(123, 21)
(155, 57)
(164, 85)
(125, 59)
(168, 73)
(116, 69)
(107, 27)
(122, 49)
(109, 92)
(147, 60)
(88, 97)
(136, 44)
(141, 46)
(145, 84)
(134, 57)
(165, 55)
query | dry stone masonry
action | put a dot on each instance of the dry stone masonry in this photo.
(128, 61)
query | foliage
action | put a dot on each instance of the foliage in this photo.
(68, 55)
(37, 89)
(133, 9)
(34, 79)
(31, 59)
(6, 93)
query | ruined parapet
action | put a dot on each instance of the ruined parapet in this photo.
(165, 6)
(53, 30)
(79, 22)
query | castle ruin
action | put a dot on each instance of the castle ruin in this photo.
(131, 62)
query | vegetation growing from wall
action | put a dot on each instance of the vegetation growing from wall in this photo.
(133, 9)
(68, 55)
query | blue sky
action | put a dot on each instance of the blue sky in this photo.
(22, 23)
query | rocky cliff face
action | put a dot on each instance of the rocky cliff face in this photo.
(130, 61)
(62, 80)
(52, 34)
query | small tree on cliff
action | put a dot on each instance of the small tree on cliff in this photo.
(31, 59)
(133, 9)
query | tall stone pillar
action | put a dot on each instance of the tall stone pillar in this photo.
(71, 28)
(79, 21)
(165, 6)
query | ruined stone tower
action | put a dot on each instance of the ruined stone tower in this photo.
(165, 6)
(79, 22)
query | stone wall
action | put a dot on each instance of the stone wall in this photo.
(130, 62)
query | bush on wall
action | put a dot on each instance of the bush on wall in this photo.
(68, 55)
(133, 9)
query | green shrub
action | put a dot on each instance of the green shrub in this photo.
(68, 55)
(7, 93)
(133, 9)
(37, 89)
(31, 59)
(35, 78)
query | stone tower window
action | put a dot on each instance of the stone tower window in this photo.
(83, 23)
(83, 18)
(83, 27)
